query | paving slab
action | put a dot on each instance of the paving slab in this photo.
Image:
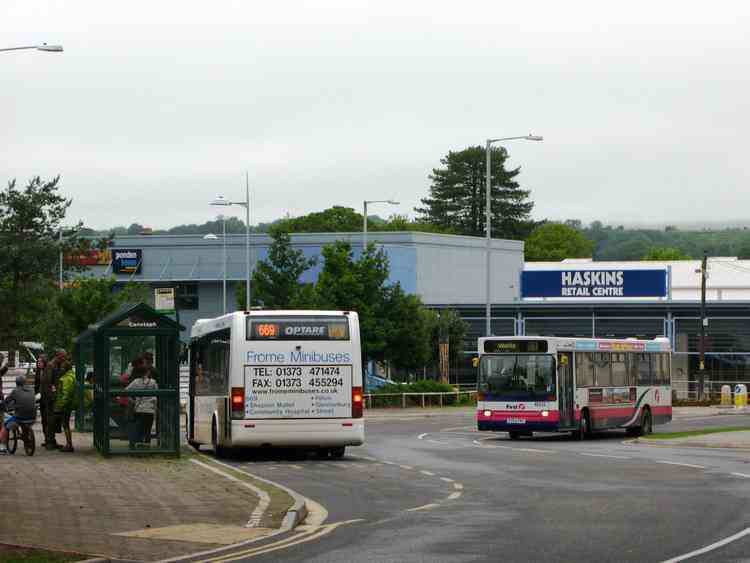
(85, 503)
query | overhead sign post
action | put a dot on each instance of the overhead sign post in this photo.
(594, 283)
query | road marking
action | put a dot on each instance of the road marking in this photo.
(469, 428)
(711, 547)
(681, 464)
(389, 463)
(368, 458)
(458, 486)
(425, 507)
(741, 475)
(446, 479)
(407, 467)
(263, 499)
(421, 436)
(477, 443)
(424, 472)
(454, 496)
(295, 466)
(605, 455)
(436, 442)
(532, 450)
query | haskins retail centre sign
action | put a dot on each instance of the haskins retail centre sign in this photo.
(594, 283)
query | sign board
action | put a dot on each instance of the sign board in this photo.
(594, 283)
(127, 260)
(298, 391)
(90, 258)
(164, 299)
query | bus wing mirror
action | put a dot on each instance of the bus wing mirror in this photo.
(475, 362)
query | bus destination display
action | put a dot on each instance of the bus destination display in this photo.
(515, 346)
(293, 329)
(298, 391)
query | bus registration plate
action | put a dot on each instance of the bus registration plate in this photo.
(515, 420)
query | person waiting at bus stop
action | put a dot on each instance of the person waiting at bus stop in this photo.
(142, 408)
(22, 402)
(66, 402)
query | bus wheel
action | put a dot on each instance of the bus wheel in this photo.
(647, 425)
(337, 452)
(514, 435)
(584, 427)
(219, 451)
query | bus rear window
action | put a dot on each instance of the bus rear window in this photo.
(298, 328)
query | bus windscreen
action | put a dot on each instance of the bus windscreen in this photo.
(518, 377)
(298, 328)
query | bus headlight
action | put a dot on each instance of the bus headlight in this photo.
(487, 413)
(545, 413)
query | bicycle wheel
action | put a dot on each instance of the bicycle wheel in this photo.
(29, 441)
(12, 440)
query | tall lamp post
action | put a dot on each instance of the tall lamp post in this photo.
(41, 47)
(364, 218)
(211, 236)
(220, 201)
(488, 211)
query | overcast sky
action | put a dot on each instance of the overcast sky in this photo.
(157, 106)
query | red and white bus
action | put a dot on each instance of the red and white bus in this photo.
(530, 384)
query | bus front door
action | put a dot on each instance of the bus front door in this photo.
(566, 396)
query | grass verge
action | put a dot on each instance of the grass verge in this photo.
(689, 433)
(14, 554)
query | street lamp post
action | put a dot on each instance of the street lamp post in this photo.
(488, 181)
(364, 218)
(42, 47)
(246, 204)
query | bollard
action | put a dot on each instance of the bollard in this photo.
(740, 396)
(726, 396)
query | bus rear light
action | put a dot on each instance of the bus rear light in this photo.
(238, 402)
(357, 402)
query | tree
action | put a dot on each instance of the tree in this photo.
(409, 330)
(275, 282)
(555, 242)
(359, 286)
(457, 195)
(664, 253)
(333, 220)
(30, 247)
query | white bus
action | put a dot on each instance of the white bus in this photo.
(579, 385)
(276, 378)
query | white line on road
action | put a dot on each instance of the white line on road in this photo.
(741, 475)
(681, 464)
(468, 428)
(388, 462)
(446, 479)
(263, 499)
(711, 547)
(532, 450)
(454, 496)
(295, 467)
(424, 472)
(458, 486)
(425, 507)
(605, 455)
(421, 436)
(436, 442)
(407, 467)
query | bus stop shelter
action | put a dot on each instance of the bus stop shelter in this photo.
(103, 355)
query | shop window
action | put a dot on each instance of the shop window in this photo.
(186, 297)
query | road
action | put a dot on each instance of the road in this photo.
(434, 489)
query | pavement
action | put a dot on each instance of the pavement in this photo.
(131, 508)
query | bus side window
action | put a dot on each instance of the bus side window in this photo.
(660, 369)
(644, 369)
(619, 370)
(584, 363)
(603, 376)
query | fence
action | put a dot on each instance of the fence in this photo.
(688, 389)
(411, 398)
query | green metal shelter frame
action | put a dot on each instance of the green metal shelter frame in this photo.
(102, 355)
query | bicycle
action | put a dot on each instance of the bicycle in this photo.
(21, 430)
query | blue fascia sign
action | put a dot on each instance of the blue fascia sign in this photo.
(594, 283)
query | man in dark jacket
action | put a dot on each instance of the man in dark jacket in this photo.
(48, 388)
